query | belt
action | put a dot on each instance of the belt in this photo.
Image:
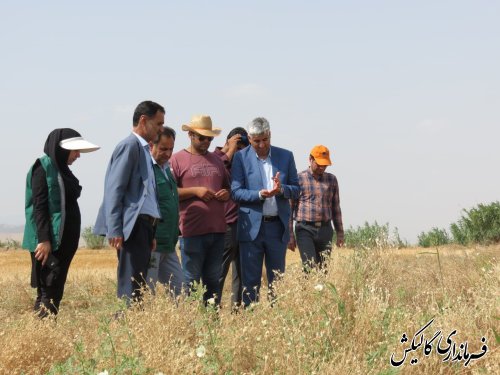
(267, 219)
(150, 219)
(316, 224)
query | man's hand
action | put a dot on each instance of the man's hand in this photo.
(116, 242)
(276, 186)
(232, 143)
(42, 251)
(205, 194)
(222, 195)
(292, 244)
(340, 242)
(153, 245)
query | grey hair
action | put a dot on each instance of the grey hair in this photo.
(258, 126)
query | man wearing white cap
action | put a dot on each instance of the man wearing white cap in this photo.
(129, 211)
(203, 186)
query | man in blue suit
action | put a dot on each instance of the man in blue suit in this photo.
(264, 178)
(129, 211)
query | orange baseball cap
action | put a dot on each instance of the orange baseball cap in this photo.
(321, 155)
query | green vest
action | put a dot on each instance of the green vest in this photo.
(56, 206)
(167, 230)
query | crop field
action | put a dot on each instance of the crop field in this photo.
(430, 311)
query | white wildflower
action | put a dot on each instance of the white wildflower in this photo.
(105, 372)
(319, 287)
(201, 351)
(211, 301)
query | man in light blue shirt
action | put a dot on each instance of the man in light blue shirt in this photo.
(264, 178)
(129, 211)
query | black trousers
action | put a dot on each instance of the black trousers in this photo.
(231, 256)
(49, 283)
(314, 243)
(133, 261)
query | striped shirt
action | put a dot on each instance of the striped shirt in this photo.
(318, 200)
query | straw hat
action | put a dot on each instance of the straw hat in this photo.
(202, 124)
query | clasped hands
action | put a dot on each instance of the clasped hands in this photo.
(206, 194)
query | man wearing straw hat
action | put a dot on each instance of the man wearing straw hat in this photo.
(203, 186)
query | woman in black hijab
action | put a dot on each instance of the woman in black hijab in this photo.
(52, 229)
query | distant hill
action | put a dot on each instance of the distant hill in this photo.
(8, 228)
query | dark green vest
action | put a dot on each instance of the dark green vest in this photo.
(167, 231)
(56, 207)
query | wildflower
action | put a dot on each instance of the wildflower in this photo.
(319, 287)
(201, 351)
(105, 372)
(211, 301)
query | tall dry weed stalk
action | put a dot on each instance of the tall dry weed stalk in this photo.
(348, 319)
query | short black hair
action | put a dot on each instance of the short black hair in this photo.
(237, 130)
(166, 132)
(146, 108)
(243, 141)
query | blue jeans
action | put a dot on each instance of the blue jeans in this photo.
(165, 268)
(267, 247)
(202, 259)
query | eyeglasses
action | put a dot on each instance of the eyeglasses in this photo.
(202, 138)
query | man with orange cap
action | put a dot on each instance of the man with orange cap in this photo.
(315, 209)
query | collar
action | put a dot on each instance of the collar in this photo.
(142, 140)
(257, 156)
(312, 176)
(164, 166)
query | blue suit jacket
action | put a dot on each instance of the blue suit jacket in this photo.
(124, 190)
(247, 182)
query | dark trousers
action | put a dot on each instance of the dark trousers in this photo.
(314, 243)
(50, 283)
(231, 256)
(267, 247)
(133, 260)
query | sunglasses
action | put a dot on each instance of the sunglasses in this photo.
(202, 138)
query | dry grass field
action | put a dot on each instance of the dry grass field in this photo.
(347, 321)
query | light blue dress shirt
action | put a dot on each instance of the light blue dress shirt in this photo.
(150, 205)
(270, 207)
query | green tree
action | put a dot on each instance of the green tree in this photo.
(480, 224)
(91, 240)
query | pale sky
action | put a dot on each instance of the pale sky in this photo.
(405, 94)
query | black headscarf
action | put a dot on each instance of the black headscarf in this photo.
(59, 157)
